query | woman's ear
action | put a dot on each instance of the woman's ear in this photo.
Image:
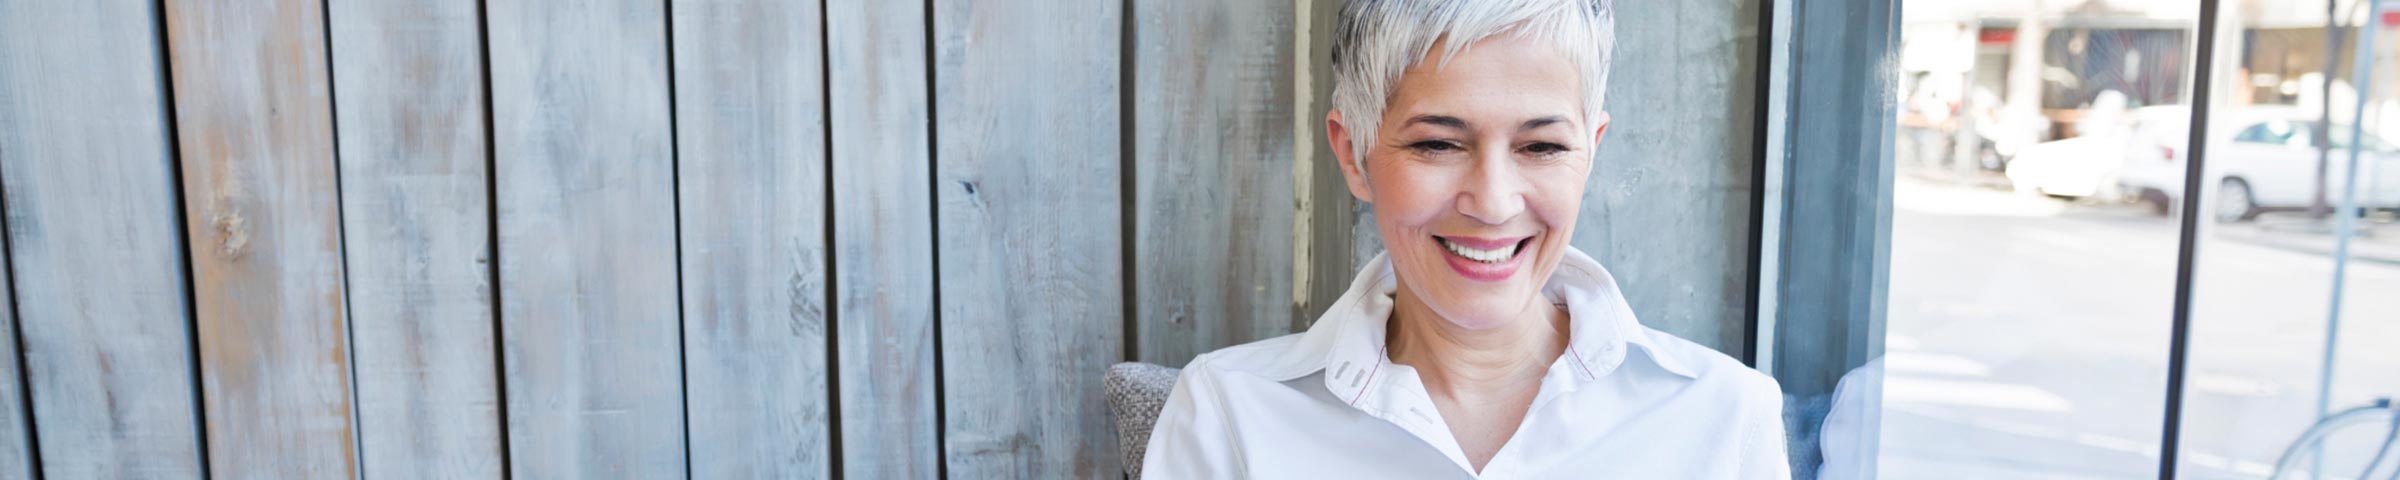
(1346, 157)
(1599, 129)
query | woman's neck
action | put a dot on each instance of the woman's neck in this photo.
(1463, 363)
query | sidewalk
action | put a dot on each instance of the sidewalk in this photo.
(2377, 242)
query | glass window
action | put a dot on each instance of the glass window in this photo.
(2037, 243)
(2033, 263)
(2289, 325)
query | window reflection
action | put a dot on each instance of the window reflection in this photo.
(2041, 170)
(2266, 318)
(2033, 239)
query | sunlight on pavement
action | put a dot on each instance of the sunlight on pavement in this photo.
(1918, 196)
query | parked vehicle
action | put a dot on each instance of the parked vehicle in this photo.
(2079, 167)
(2084, 166)
(2264, 159)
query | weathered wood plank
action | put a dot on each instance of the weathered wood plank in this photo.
(585, 168)
(88, 171)
(750, 127)
(883, 238)
(1028, 179)
(253, 109)
(416, 218)
(1339, 229)
(1213, 175)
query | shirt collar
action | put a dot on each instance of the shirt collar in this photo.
(1347, 341)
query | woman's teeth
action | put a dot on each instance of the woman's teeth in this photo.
(1496, 255)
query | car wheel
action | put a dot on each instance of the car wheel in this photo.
(2234, 203)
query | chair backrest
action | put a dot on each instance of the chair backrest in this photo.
(1136, 392)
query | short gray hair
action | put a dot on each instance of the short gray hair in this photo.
(1375, 41)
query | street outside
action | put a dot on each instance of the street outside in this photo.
(2028, 337)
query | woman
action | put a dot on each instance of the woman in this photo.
(1480, 345)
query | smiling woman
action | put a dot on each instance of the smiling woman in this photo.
(1482, 344)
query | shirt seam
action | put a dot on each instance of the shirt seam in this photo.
(1581, 363)
(1369, 384)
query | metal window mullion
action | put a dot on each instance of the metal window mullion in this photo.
(2187, 253)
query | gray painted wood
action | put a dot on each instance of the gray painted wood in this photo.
(87, 167)
(1212, 172)
(883, 238)
(1341, 231)
(750, 126)
(254, 112)
(585, 167)
(1667, 209)
(1028, 176)
(1342, 234)
(416, 223)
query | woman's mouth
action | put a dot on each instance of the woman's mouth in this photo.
(1483, 259)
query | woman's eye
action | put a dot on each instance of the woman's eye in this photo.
(1434, 146)
(1544, 149)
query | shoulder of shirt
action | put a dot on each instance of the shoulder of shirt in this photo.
(1268, 358)
(1708, 365)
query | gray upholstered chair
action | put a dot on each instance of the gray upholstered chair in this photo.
(1136, 392)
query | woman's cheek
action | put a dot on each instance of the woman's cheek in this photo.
(1558, 196)
(1415, 196)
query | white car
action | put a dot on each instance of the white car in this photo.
(2263, 159)
(2086, 166)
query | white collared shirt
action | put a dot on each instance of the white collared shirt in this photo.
(1328, 403)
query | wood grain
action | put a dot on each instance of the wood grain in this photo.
(1028, 176)
(86, 162)
(1213, 176)
(585, 167)
(1341, 231)
(883, 238)
(750, 126)
(416, 219)
(253, 109)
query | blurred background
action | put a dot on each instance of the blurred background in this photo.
(2040, 154)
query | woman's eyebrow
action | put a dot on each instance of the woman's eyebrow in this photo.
(1438, 120)
(1461, 124)
(1541, 122)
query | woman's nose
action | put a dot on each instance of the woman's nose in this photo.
(1495, 191)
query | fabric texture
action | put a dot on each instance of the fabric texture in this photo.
(1136, 391)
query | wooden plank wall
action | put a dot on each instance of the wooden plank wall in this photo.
(670, 238)
(416, 218)
(94, 240)
(1213, 196)
(1028, 218)
(584, 163)
(882, 134)
(254, 117)
(750, 138)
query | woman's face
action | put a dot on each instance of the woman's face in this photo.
(1476, 174)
